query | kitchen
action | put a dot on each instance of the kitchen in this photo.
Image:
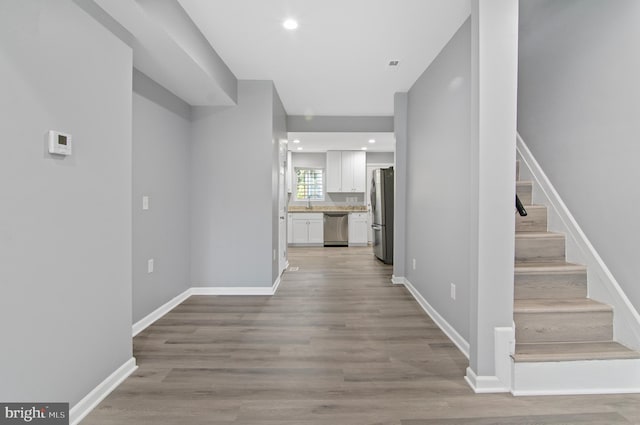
(328, 185)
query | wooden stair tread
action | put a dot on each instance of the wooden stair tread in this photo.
(572, 351)
(548, 267)
(536, 207)
(569, 305)
(534, 235)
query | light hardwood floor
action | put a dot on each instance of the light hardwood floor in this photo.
(337, 344)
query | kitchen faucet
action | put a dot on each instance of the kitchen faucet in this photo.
(309, 202)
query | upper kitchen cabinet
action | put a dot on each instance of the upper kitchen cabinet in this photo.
(346, 171)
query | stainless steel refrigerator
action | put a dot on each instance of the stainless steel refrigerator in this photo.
(382, 200)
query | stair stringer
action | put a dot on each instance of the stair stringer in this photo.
(601, 284)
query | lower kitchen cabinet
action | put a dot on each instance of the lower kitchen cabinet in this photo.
(358, 223)
(307, 229)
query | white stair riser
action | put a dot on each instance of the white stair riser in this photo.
(576, 377)
(540, 249)
(564, 327)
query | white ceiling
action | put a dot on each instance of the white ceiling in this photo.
(336, 62)
(322, 142)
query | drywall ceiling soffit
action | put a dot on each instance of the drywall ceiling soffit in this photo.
(170, 49)
(341, 141)
(337, 62)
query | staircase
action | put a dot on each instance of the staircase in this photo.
(562, 336)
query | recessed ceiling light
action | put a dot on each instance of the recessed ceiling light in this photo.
(372, 140)
(290, 24)
(296, 141)
(299, 148)
(364, 148)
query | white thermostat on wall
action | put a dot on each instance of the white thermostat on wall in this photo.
(59, 143)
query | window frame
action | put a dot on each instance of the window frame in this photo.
(323, 188)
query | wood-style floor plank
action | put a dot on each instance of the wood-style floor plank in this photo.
(337, 344)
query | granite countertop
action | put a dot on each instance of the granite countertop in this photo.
(327, 208)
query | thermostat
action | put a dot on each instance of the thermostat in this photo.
(59, 143)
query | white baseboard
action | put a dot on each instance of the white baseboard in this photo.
(484, 384)
(149, 319)
(276, 284)
(99, 393)
(143, 323)
(232, 290)
(602, 285)
(286, 266)
(504, 347)
(397, 280)
(577, 377)
(449, 330)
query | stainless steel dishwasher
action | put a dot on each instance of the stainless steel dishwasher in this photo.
(336, 229)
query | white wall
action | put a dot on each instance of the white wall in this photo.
(380, 158)
(438, 181)
(65, 223)
(231, 190)
(161, 131)
(578, 106)
(494, 74)
(279, 129)
(400, 104)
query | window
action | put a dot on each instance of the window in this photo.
(309, 184)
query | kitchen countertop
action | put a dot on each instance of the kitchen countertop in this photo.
(327, 208)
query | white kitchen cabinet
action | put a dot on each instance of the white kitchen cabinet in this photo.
(289, 228)
(358, 223)
(334, 171)
(316, 231)
(346, 171)
(307, 228)
(358, 164)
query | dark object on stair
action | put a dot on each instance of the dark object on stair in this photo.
(519, 207)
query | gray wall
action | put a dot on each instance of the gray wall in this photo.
(161, 131)
(65, 223)
(578, 106)
(231, 190)
(438, 181)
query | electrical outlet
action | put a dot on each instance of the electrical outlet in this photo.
(453, 291)
(145, 202)
(150, 265)
(414, 264)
